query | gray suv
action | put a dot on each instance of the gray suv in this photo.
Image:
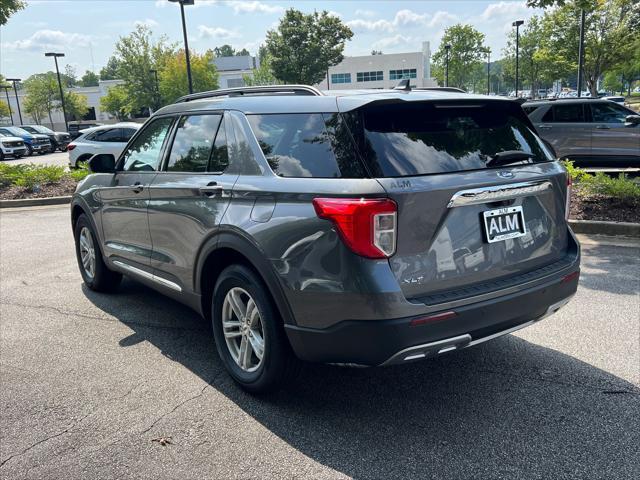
(591, 132)
(369, 228)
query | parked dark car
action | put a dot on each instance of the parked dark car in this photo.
(591, 132)
(59, 140)
(75, 128)
(35, 142)
(370, 228)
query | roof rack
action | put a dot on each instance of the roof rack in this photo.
(258, 90)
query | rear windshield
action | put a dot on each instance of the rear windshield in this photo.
(406, 139)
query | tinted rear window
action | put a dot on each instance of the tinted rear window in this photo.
(306, 145)
(425, 138)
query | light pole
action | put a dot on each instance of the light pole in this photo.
(155, 74)
(517, 24)
(488, 71)
(447, 49)
(15, 90)
(64, 110)
(6, 89)
(186, 43)
(581, 53)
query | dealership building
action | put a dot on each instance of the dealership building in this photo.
(381, 71)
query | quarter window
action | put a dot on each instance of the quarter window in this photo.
(370, 76)
(110, 135)
(403, 73)
(193, 143)
(568, 113)
(306, 145)
(145, 152)
(340, 78)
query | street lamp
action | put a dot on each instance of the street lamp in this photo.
(64, 110)
(186, 43)
(488, 71)
(6, 89)
(517, 24)
(581, 53)
(15, 90)
(155, 74)
(447, 48)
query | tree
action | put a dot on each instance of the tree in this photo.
(70, 76)
(467, 51)
(42, 96)
(4, 109)
(75, 105)
(263, 75)
(376, 52)
(224, 51)
(116, 102)
(89, 79)
(110, 70)
(304, 46)
(242, 53)
(173, 76)
(136, 56)
(8, 8)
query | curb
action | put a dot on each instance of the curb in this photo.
(35, 202)
(625, 229)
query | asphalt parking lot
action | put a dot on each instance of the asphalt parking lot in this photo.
(57, 158)
(91, 384)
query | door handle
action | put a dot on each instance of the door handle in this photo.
(544, 127)
(137, 187)
(211, 189)
(602, 127)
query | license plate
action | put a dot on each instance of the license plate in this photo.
(503, 224)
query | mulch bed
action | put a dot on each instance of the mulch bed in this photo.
(65, 187)
(598, 207)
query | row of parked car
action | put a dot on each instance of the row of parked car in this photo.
(26, 140)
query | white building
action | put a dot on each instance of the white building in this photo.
(231, 70)
(92, 94)
(381, 71)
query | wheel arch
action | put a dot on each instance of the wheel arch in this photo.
(230, 248)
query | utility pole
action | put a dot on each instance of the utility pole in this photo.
(581, 53)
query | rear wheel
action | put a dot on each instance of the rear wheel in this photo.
(95, 273)
(248, 331)
(2, 156)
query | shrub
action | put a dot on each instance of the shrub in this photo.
(80, 173)
(621, 188)
(30, 176)
(576, 173)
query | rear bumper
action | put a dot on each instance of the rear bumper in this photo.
(385, 342)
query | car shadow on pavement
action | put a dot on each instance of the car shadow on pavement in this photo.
(505, 409)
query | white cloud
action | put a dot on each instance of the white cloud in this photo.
(42, 40)
(216, 32)
(148, 22)
(500, 11)
(364, 13)
(395, 41)
(408, 17)
(403, 18)
(360, 25)
(254, 7)
(442, 18)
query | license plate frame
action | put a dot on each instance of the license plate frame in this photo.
(493, 220)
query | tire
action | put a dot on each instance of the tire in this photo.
(278, 364)
(102, 279)
(2, 156)
(29, 151)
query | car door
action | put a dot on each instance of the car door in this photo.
(125, 224)
(612, 137)
(190, 195)
(565, 126)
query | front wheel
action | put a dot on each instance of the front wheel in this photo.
(95, 273)
(29, 150)
(248, 331)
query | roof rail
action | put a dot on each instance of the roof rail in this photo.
(257, 90)
(443, 89)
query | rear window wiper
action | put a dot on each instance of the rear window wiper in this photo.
(507, 157)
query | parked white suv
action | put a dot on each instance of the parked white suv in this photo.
(103, 139)
(11, 146)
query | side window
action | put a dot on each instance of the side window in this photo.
(220, 155)
(302, 145)
(127, 133)
(569, 113)
(193, 143)
(605, 113)
(145, 152)
(113, 135)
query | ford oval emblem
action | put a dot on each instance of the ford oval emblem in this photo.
(505, 174)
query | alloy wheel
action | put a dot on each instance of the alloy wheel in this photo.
(87, 252)
(242, 329)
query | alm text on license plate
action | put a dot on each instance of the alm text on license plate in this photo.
(504, 223)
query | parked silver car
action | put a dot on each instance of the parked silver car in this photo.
(591, 132)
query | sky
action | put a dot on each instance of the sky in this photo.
(87, 30)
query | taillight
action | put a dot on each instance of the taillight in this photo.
(567, 205)
(367, 226)
(71, 146)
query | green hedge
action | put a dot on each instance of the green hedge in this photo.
(621, 187)
(32, 176)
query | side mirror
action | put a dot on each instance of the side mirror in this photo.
(632, 119)
(102, 163)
